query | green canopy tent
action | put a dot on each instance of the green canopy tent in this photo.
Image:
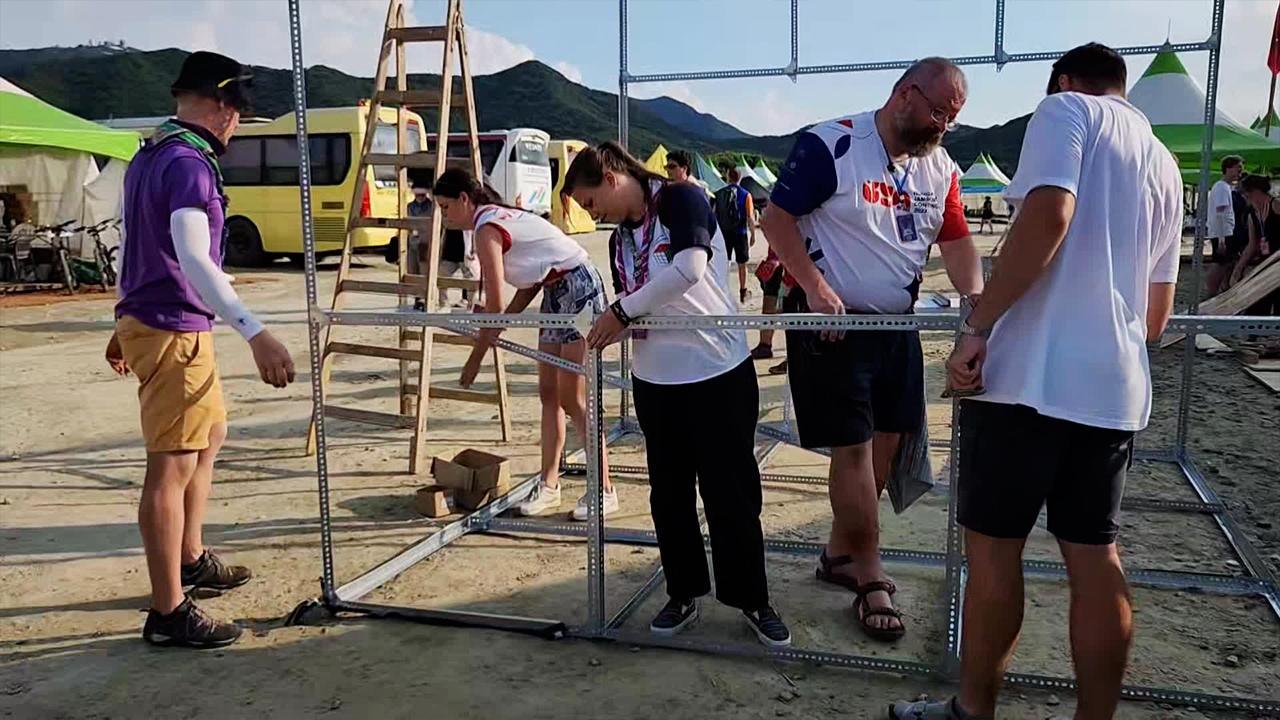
(1260, 126)
(1174, 104)
(47, 162)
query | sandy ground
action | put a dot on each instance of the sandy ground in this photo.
(72, 577)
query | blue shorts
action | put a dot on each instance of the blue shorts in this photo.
(579, 288)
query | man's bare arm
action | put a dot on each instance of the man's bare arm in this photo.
(1034, 239)
(963, 264)
(1159, 308)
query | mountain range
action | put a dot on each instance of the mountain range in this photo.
(105, 81)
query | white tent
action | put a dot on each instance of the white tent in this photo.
(983, 180)
(763, 172)
(746, 172)
(707, 174)
(47, 158)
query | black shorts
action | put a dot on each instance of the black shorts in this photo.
(738, 247)
(1014, 461)
(846, 390)
(773, 286)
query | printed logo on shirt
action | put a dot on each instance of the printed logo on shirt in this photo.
(661, 253)
(883, 193)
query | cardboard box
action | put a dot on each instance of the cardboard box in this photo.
(473, 471)
(434, 501)
(476, 499)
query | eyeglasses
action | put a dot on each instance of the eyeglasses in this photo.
(672, 166)
(942, 117)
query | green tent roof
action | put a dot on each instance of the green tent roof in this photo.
(1261, 121)
(1165, 62)
(26, 120)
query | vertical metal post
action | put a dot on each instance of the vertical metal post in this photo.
(794, 65)
(624, 121)
(596, 617)
(1000, 56)
(313, 326)
(1197, 255)
(624, 370)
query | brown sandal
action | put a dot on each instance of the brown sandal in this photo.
(826, 571)
(865, 611)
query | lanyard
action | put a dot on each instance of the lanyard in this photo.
(906, 170)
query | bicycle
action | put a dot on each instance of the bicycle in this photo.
(55, 237)
(103, 256)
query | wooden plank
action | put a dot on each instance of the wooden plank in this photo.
(374, 287)
(1264, 280)
(425, 33)
(415, 98)
(1270, 379)
(1211, 344)
(438, 392)
(404, 223)
(1267, 365)
(345, 348)
(448, 338)
(449, 282)
(369, 417)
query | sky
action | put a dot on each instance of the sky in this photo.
(579, 38)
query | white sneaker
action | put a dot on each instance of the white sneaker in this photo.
(609, 505)
(544, 499)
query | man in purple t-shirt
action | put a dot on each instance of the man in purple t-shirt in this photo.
(171, 286)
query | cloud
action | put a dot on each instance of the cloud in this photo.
(570, 71)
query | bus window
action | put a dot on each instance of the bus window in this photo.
(555, 171)
(528, 151)
(490, 151)
(273, 160)
(242, 163)
(384, 141)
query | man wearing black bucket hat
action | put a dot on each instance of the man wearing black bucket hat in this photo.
(171, 286)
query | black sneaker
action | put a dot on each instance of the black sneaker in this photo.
(188, 626)
(210, 572)
(674, 617)
(769, 627)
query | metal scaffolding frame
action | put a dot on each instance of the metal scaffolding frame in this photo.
(1256, 580)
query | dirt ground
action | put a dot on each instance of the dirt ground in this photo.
(72, 576)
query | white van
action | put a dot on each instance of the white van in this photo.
(515, 163)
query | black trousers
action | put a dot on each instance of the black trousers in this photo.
(703, 435)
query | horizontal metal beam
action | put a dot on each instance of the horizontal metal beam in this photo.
(631, 79)
(1163, 579)
(946, 321)
(542, 627)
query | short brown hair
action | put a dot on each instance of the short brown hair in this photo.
(1231, 161)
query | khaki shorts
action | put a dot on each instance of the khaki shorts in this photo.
(179, 389)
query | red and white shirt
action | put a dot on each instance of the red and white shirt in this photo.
(847, 196)
(532, 248)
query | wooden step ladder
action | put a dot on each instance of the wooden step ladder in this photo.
(415, 345)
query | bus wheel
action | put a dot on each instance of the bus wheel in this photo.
(244, 244)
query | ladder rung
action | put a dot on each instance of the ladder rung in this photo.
(379, 351)
(460, 394)
(416, 98)
(445, 283)
(426, 33)
(382, 288)
(422, 160)
(448, 338)
(370, 417)
(406, 223)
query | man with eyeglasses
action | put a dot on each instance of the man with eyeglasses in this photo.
(677, 167)
(857, 205)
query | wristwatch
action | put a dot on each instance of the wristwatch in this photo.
(967, 329)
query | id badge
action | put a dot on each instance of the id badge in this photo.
(906, 226)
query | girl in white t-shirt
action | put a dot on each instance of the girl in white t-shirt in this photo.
(695, 390)
(533, 255)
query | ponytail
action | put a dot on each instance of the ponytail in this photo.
(456, 182)
(589, 167)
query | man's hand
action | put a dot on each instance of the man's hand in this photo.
(607, 330)
(115, 356)
(822, 299)
(275, 367)
(964, 367)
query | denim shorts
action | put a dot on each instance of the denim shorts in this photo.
(579, 288)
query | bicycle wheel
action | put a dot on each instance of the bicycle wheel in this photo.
(111, 265)
(68, 277)
(104, 267)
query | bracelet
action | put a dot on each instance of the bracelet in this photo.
(619, 313)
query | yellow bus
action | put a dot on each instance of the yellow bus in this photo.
(260, 169)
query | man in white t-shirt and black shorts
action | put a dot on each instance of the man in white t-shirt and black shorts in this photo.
(1085, 279)
(1223, 203)
(857, 205)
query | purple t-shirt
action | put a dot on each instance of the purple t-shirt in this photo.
(152, 288)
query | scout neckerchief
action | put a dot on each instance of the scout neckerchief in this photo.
(172, 131)
(632, 252)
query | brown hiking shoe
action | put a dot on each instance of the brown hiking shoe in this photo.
(210, 572)
(779, 369)
(188, 626)
(762, 352)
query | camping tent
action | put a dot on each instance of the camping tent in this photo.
(746, 172)
(1174, 104)
(983, 179)
(47, 159)
(707, 174)
(1260, 126)
(657, 162)
(762, 171)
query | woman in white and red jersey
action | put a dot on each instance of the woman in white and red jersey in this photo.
(532, 255)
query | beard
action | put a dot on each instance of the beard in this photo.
(919, 140)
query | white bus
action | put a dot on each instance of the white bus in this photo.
(515, 163)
